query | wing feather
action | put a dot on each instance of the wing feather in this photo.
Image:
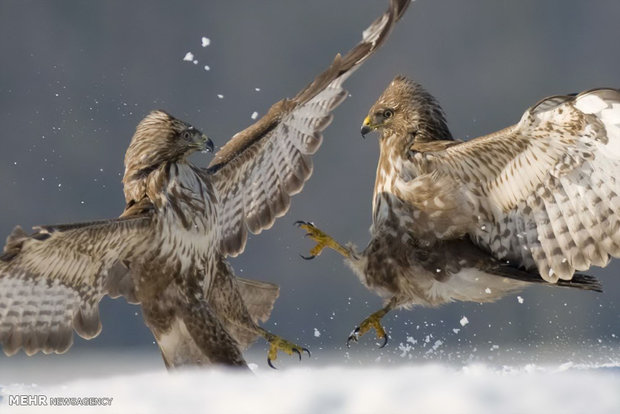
(51, 282)
(270, 161)
(546, 186)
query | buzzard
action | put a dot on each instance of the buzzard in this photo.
(168, 249)
(473, 221)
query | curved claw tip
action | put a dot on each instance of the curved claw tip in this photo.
(353, 336)
(385, 341)
(306, 350)
(300, 223)
(307, 257)
(297, 352)
(270, 364)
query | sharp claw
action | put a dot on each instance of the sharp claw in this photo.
(307, 257)
(353, 336)
(299, 223)
(270, 364)
(306, 350)
(349, 339)
(297, 352)
(385, 341)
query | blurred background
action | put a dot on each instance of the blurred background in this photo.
(77, 77)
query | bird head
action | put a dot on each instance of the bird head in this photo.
(159, 138)
(406, 109)
(176, 137)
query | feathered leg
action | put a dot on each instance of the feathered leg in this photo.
(189, 333)
(228, 302)
(210, 335)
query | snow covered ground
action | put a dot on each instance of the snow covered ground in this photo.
(137, 386)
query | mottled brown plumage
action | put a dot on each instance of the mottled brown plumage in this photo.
(473, 221)
(168, 249)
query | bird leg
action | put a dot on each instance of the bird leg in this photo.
(277, 343)
(373, 322)
(323, 240)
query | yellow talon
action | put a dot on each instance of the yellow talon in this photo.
(372, 322)
(323, 240)
(277, 343)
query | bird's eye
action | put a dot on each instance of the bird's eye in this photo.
(388, 113)
(187, 135)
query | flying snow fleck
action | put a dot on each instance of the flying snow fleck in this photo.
(405, 349)
(487, 291)
(254, 115)
(189, 57)
(205, 41)
(207, 68)
(220, 96)
(464, 321)
(520, 299)
(317, 333)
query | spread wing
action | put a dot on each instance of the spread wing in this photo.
(258, 170)
(544, 192)
(52, 281)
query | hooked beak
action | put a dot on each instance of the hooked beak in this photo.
(206, 144)
(366, 127)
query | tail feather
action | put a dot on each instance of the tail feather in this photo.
(579, 280)
(582, 281)
(258, 298)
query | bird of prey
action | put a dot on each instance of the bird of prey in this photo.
(168, 249)
(472, 221)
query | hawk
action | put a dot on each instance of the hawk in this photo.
(168, 249)
(533, 203)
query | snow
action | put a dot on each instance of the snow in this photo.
(205, 41)
(520, 299)
(254, 115)
(464, 321)
(189, 57)
(567, 388)
(317, 333)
